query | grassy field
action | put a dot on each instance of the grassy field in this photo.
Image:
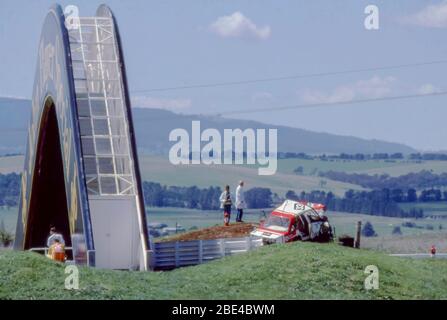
(430, 208)
(416, 243)
(346, 222)
(159, 169)
(315, 166)
(292, 271)
(403, 168)
(400, 167)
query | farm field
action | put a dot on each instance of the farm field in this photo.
(430, 208)
(400, 167)
(159, 169)
(416, 243)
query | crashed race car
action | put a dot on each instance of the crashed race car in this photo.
(295, 220)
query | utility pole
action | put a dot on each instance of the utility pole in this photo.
(357, 236)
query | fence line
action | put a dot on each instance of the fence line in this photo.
(170, 255)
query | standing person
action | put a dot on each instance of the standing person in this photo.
(240, 201)
(53, 236)
(433, 251)
(225, 203)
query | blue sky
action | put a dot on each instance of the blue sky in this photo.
(175, 43)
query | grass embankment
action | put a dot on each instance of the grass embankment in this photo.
(293, 271)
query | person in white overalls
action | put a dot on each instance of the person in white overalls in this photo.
(240, 201)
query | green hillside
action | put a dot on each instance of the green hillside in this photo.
(292, 271)
(153, 126)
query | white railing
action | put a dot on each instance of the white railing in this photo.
(169, 255)
(89, 254)
(45, 249)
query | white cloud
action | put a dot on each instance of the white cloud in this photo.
(432, 16)
(261, 97)
(161, 103)
(14, 97)
(376, 87)
(428, 88)
(237, 25)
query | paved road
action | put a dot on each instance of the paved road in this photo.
(420, 255)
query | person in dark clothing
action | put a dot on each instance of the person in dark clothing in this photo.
(226, 202)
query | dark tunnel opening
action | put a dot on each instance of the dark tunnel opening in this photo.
(48, 203)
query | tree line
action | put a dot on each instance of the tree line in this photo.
(158, 195)
(9, 189)
(362, 156)
(413, 180)
(376, 202)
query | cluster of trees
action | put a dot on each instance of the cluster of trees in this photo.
(368, 230)
(259, 198)
(409, 224)
(362, 156)
(158, 195)
(9, 189)
(416, 180)
(428, 156)
(295, 155)
(376, 202)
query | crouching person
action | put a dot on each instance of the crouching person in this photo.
(57, 251)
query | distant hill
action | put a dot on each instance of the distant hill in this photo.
(154, 125)
(14, 119)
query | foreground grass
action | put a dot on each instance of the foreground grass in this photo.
(293, 271)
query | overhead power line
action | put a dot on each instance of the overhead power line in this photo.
(326, 104)
(304, 106)
(300, 76)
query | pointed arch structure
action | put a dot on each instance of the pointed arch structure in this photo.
(81, 172)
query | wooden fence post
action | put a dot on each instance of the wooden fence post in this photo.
(358, 233)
